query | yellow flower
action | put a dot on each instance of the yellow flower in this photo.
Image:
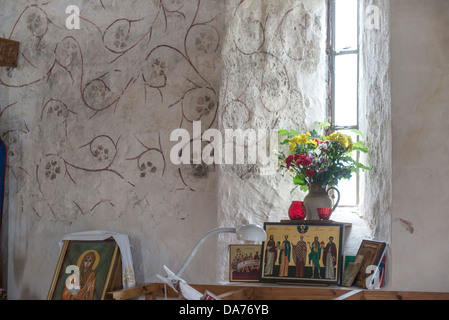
(294, 140)
(350, 144)
(338, 137)
(304, 137)
(343, 140)
(333, 136)
(301, 139)
(292, 146)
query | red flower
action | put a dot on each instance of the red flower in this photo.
(301, 159)
(306, 162)
(288, 161)
(310, 173)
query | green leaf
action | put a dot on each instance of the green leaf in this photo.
(293, 189)
(298, 180)
(314, 134)
(361, 166)
(360, 133)
(294, 133)
(283, 132)
(363, 149)
(324, 124)
(360, 147)
(354, 169)
(346, 159)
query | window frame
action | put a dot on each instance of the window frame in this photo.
(332, 54)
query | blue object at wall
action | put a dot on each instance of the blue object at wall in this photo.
(2, 176)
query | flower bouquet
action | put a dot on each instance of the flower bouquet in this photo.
(319, 159)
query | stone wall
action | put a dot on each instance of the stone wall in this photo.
(375, 116)
(274, 77)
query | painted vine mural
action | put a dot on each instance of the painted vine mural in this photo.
(88, 113)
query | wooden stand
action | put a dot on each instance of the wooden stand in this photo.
(274, 291)
(155, 291)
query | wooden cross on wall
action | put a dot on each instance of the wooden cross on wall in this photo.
(9, 52)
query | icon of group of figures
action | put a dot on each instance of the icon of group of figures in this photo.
(302, 258)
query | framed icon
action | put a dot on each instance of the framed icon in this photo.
(302, 251)
(244, 262)
(86, 270)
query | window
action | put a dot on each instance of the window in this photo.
(343, 50)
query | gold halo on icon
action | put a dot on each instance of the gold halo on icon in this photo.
(97, 259)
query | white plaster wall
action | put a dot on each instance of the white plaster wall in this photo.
(420, 97)
(375, 116)
(275, 75)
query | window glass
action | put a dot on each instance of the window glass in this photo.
(348, 192)
(346, 33)
(346, 86)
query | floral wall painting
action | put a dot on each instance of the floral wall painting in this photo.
(86, 270)
(87, 116)
(305, 252)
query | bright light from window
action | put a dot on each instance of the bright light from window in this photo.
(346, 25)
(346, 84)
(348, 188)
(348, 192)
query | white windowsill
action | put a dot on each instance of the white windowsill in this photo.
(358, 231)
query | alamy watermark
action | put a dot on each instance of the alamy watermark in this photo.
(230, 146)
(73, 20)
(72, 283)
(373, 280)
(372, 17)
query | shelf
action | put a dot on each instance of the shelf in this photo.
(261, 291)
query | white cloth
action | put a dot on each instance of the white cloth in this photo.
(122, 241)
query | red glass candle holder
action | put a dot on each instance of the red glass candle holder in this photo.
(324, 213)
(297, 211)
